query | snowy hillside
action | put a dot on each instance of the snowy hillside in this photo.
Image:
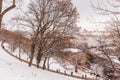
(12, 69)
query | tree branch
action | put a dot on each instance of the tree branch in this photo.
(9, 8)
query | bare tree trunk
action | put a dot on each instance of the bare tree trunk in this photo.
(1, 16)
(76, 64)
(44, 66)
(76, 68)
(38, 62)
(48, 62)
(32, 53)
(19, 53)
(39, 56)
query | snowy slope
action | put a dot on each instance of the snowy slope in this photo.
(13, 69)
(55, 65)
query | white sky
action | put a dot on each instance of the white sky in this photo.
(85, 10)
(86, 15)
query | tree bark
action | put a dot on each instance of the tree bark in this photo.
(1, 16)
(1, 2)
(76, 68)
(48, 63)
(44, 66)
(19, 53)
(32, 53)
(33, 48)
(39, 56)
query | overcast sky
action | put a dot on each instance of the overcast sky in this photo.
(86, 14)
(85, 10)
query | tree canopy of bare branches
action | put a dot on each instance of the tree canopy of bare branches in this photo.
(111, 9)
(50, 21)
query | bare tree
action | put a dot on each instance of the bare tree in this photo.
(49, 20)
(110, 10)
(103, 49)
(110, 67)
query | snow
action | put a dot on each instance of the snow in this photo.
(97, 69)
(13, 69)
(115, 59)
(73, 50)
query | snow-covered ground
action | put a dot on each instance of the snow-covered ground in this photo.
(13, 69)
(115, 59)
(55, 65)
